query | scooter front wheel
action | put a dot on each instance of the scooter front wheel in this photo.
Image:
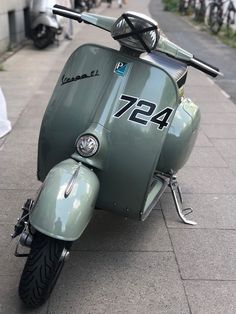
(42, 269)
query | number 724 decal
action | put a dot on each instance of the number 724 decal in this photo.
(142, 112)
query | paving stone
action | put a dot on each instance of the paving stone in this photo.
(110, 232)
(206, 157)
(33, 114)
(213, 106)
(24, 135)
(19, 91)
(220, 131)
(226, 147)
(202, 140)
(119, 282)
(6, 230)
(32, 119)
(218, 118)
(195, 180)
(216, 95)
(211, 297)
(11, 202)
(197, 79)
(14, 114)
(9, 264)
(232, 165)
(205, 254)
(212, 211)
(18, 167)
(16, 106)
(2, 141)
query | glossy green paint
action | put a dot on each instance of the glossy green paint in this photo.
(166, 46)
(163, 45)
(181, 137)
(129, 151)
(156, 190)
(101, 21)
(63, 217)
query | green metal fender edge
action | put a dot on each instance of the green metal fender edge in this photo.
(66, 201)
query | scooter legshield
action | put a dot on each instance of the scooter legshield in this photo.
(66, 201)
(128, 104)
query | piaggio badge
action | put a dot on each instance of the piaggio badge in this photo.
(120, 68)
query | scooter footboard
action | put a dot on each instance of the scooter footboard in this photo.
(66, 201)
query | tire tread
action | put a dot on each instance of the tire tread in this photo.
(41, 270)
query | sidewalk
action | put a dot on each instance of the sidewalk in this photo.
(118, 265)
(205, 45)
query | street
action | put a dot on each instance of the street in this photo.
(201, 44)
(123, 266)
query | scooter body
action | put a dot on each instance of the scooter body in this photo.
(88, 99)
(44, 24)
(116, 131)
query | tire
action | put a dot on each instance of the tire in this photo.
(42, 269)
(230, 19)
(43, 36)
(200, 11)
(215, 18)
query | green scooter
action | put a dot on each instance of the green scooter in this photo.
(116, 131)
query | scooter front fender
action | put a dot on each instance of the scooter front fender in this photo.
(45, 20)
(66, 201)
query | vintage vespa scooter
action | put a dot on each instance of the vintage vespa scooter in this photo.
(116, 131)
(44, 25)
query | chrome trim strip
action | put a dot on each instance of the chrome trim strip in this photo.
(72, 182)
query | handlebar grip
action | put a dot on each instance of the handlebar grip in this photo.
(66, 12)
(209, 65)
(205, 67)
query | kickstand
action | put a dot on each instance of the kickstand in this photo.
(175, 190)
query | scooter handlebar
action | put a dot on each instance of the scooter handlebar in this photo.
(205, 67)
(103, 22)
(164, 44)
(69, 13)
(168, 47)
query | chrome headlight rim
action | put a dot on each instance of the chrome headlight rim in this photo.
(95, 149)
(136, 33)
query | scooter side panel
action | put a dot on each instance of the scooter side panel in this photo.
(45, 20)
(66, 201)
(121, 94)
(181, 137)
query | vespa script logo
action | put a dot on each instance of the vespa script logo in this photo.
(65, 79)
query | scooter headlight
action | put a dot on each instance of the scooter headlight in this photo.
(87, 145)
(136, 31)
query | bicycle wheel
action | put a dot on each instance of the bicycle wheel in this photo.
(230, 18)
(200, 11)
(215, 18)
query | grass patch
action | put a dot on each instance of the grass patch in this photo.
(227, 36)
(171, 5)
(1, 67)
